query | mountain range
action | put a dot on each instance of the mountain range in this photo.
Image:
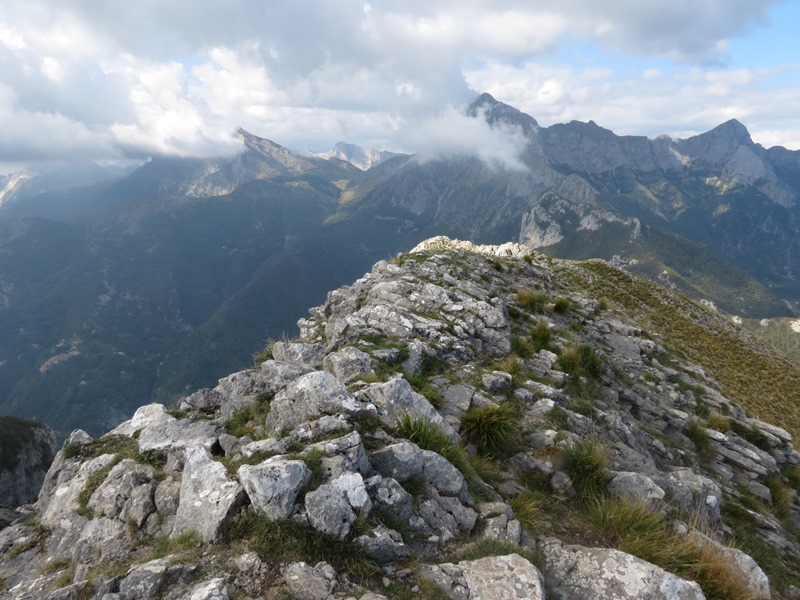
(160, 281)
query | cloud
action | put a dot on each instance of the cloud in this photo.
(105, 78)
(680, 102)
(452, 133)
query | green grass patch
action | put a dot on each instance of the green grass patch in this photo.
(562, 306)
(752, 434)
(527, 507)
(249, 420)
(491, 547)
(278, 542)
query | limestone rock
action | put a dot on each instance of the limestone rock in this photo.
(208, 498)
(576, 572)
(490, 578)
(26, 457)
(396, 399)
(348, 364)
(383, 545)
(299, 353)
(210, 590)
(312, 395)
(273, 485)
(405, 460)
(309, 583)
(333, 507)
(636, 487)
(126, 493)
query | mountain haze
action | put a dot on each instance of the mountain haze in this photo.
(159, 282)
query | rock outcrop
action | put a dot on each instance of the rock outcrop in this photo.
(26, 451)
(459, 403)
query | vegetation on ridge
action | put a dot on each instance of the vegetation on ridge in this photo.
(749, 371)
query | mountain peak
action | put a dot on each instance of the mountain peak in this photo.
(358, 156)
(735, 130)
(495, 112)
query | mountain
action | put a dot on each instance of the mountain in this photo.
(461, 421)
(148, 286)
(363, 158)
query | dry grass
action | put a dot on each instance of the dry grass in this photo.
(750, 372)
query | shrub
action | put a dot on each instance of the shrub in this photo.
(580, 361)
(586, 462)
(541, 335)
(491, 428)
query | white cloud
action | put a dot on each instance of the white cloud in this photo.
(135, 78)
(452, 133)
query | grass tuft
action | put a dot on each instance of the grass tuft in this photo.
(580, 361)
(531, 301)
(586, 462)
(493, 429)
(541, 336)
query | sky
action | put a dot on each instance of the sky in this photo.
(113, 81)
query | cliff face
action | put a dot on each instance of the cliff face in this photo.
(26, 451)
(461, 422)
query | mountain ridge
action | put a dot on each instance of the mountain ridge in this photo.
(188, 259)
(455, 418)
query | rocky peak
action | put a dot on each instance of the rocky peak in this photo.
(358, 156)
(468, 403)
(497, 113)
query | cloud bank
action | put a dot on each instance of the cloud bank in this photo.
(106, 79)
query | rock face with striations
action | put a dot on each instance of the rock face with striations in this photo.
(26, 451)
(372, 440)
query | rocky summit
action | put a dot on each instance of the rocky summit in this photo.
(461, 422)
